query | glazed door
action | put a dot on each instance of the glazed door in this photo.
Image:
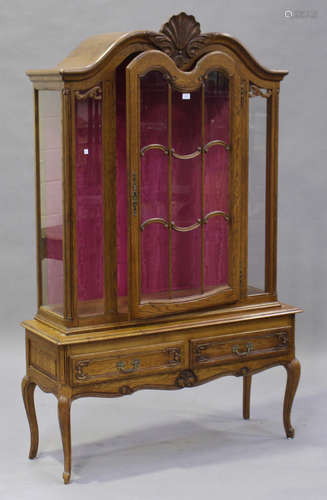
(184, 161)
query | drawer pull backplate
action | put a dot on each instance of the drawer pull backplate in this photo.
(120, 366)
(249, 348)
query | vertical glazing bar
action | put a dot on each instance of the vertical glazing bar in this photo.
(68, 197)
(245, 116)
(271, 191)
(73, 229)
(109, 195)
(268, 241)
(170, 271)
(202, 183)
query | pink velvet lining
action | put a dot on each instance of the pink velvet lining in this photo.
(186, 188)
(186, 191)
(89, 200)
(216, 181)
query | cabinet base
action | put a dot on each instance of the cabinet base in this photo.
(183, 356)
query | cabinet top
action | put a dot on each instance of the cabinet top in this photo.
(180, 38)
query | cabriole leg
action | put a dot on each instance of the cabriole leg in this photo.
(28, 388)
(247, 379)
(64, 405)
(293, 376)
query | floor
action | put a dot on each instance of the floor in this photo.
(170, 445)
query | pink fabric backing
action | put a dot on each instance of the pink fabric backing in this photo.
(186, 191)
(186, 187)
(216, 181)
(89, 200)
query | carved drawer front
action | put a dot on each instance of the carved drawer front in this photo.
(124, 363)
(251, 345)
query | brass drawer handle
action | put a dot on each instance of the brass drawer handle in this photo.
(120, 366)
(249, 348)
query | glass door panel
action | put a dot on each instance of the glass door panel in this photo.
(216, 180)
(181, 208)
(186, 227)
(154, 214)
(186, 193)
(216, 215)
(154, 109)
(154, 187)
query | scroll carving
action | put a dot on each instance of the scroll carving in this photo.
(180, 38)
(256, 91)
(175, 356)
(283, 340)
(125, 390)
(79, 369)
(93, 93)
(186, 378)
(200, 357)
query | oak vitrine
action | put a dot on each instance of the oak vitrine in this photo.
(156, 185)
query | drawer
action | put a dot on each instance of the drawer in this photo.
(126, 363)
(249, 345)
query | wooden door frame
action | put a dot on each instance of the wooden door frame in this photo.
(187, 81)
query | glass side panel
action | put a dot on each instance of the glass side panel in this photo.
(89, 206)
(216, 178)
(51, 248)
(257, 192)
(186, 193)
(154, 187)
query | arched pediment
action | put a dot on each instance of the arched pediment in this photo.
(180, 38)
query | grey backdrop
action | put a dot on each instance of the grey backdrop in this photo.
(38, 34)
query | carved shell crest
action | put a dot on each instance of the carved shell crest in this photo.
(180, 38)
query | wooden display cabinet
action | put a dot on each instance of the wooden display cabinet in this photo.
(156, 185)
